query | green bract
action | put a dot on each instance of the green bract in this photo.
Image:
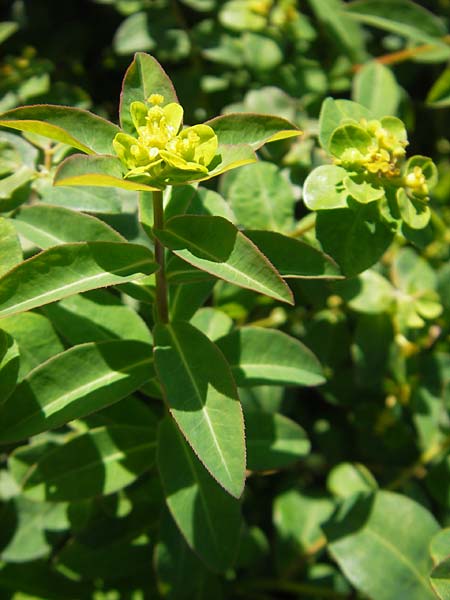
(370, 165)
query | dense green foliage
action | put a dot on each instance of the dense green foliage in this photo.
(224, 347)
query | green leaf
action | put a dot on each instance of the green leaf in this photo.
(292, 258)
(297, 516)
(440, 579)
(88, 199)
(186, 298)
(95, 317)
(15, 188)
(261, 198)
(101, 171)
(440, 545)
(71, 269)
(346, 479)
(361, 190)
(273, 441)
(206, 515)
(32, 520)
(324, 188)
(342, 32)
(415, 214)
(10, 250)
(376, 88)
(266, 356)
(7, 28)
(35, 337)
(212, 322)
(47, 398)
(73, 126)
(252, 129)
(356, 239)
(401, 17)
(179, 570)
(334, 112)
(214, 245)
(133, 34)
(203, 399)
(381, 544)
(439, 94)
(347, 136)
(144, 77)
(48, 226)
(230, 157)
(9, 366)
(99, 462)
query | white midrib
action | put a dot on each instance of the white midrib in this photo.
(42, 233)
(226, 266)
(54, 294)
(199, 396)
(62, 401)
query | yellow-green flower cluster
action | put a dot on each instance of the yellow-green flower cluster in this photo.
(375, 150)
(380, 151)
(163, 153)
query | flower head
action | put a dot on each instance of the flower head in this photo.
(163, 153)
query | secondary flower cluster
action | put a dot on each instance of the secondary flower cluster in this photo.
(378, 155)
(163, 153)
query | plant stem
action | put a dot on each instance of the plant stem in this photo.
(162, 311)
(401, 55)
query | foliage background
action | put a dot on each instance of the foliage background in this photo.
(381, 420)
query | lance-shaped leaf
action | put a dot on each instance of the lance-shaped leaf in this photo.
(215, 245)
(203, 399)
(10, 250)
(178, 569)
(46, 226)
(252, 129)
(74, 384)
(100, 171)
(206, 515)
(70, 269)
(97, 316)
(273, 441)
(294, 259)
(266, 356)
(229, 157)
(144, 77)
(380, 542)
(9, 365)
(98, 462)
(73, 126)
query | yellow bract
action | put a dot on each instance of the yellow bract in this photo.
(163, 153)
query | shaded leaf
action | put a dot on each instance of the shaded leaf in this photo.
(96, 463)
(214, 245)
(70, 269)
(206, 515)
(381, 544)
(203, 399)
(73, 126)
(48, 226)
(273, 441)
(292, 258)
(266, 356)
(47, 398)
